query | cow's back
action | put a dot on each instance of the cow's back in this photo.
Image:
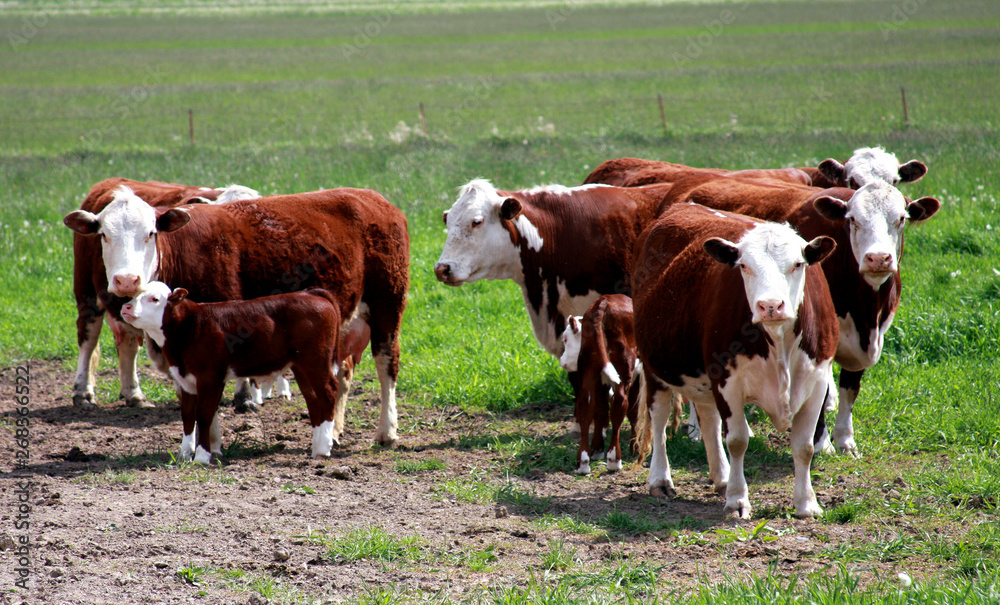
(348, 241)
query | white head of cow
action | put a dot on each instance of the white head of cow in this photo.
(772, 259)
(145, 311)
(479, 244)
(876, 215)
(870, 164)
(127, 228)
(572, 339)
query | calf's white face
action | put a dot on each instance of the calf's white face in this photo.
(572, 339)
(127, 228)
(772, 260)
(478, 245)
(145, 311)
(876, 215)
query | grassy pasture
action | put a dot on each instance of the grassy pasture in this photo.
(294, 102)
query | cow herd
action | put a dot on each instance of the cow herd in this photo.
(652, 281)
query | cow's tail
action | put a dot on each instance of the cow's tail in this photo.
(608, 372)
(643, 426)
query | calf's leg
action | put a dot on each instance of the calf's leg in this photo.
(660, 482)
(843, 430)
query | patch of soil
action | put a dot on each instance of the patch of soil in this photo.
(115, 520)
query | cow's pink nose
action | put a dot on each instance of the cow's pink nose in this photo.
(126, 284)
(878, 262)
(442, 271)
(771, 309)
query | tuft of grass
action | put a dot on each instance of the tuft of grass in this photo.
(409, 467)
(842, 514)
(559, 556)
(370, 543)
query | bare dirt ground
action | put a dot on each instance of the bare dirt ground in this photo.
(115, 520)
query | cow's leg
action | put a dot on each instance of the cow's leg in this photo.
(576, 383)
(821, 436)
(711, 432)
(619, 405)
(215, 436)
(88, 334)
(283, 388)
(583, 417)
(387, 366)
(804, 498)
(345, 374)
(319, 388)
(189, 419)
(660, 482)
(737, 440)
(599, 416)
(694, 428)
(843, 431)
(209, 396)
(127, 341)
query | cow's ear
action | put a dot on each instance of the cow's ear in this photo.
(172, 220)
(818, 249)
(912, 171)
(922, 209)
(833, 170)
(510, 208)
(725, 252)
(574, 324)
(178, 295)
(830, 208)
(444, 217)
(83, 222)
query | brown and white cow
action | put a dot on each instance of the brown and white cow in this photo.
(205, 344)
(866, 164)
(351, 242)
(731, 311)
(636, 172)
(90, 282)
(563, 246)
(601, 346)
(863, 273)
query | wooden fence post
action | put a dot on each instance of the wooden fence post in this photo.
(423, 118)
(191, 125)
(906, 116)
(663, 117)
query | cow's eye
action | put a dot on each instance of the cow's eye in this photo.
(104, 237)
(154, 299)
(797, 266)
(476, 222)
(150, 236)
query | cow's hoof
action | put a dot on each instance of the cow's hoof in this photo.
(84, 401)
(808, 510)
(739, 509)
(390, 443)
(614, 466)
(850, 449)
(138, 402)
(662, 492)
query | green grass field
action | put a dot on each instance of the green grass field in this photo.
(286, 101)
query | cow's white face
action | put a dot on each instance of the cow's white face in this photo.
(145, 311)
(479, 244)
(127, 228)
(876, 215)
(572, 339)
(772, 259)
(871, 164)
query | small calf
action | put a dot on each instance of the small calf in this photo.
(601, 346)
(205, 344)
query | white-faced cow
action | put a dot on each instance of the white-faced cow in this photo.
(867, 164)
(601, 346)
(563, 246)
(863, 273)
(731, 311)
(351, 242)
(205, 344)
(90, 283)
